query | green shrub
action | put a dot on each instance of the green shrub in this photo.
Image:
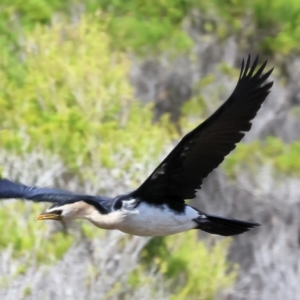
(75, 100)
(150, 27)
(191, 269)
(25, 235)
(137, 25)
(273, 151)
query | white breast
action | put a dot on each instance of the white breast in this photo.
(149, 220)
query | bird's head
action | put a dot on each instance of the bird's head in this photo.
(66, 211)
(70, 210)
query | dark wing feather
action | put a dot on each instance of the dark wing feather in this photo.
(9, 189)
(181, 173)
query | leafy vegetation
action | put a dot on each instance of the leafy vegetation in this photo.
(143, 27)
(273, 151)
(191, 269)
(77, 98)
(25, 236)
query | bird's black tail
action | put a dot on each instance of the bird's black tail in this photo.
(222, 226)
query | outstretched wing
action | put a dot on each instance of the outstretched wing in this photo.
(181, 173)
(9, 189)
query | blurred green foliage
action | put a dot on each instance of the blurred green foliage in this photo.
(275, 23)
(136, 25)
(154, 26)
(282, 21)
(24, 235)
(142, 25)
(191, 269)
(282, 157)
(76, 97)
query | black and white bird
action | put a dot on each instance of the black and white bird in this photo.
(157, 207)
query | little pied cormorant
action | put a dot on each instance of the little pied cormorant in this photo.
(157, 207)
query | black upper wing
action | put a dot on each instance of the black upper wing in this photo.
(181, 173)
(9, 189)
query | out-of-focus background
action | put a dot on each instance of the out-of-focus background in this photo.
(93, 95)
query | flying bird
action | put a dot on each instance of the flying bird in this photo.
(157, 207)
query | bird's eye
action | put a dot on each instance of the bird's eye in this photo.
(57, 212)
(118, 204)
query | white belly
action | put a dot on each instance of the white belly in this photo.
(148, 220)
